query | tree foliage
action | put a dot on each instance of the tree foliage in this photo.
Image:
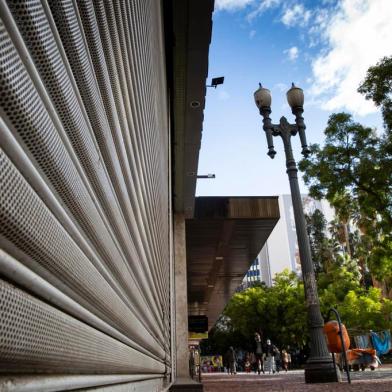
(341, 284)
(350, 172)
(222, 336)
(279, 312)
(343, 276)
(320, 246)
(366, 310)
(343, 247)
(353, 171)
(377, 87)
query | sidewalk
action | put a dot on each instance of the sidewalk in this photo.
(378, 381)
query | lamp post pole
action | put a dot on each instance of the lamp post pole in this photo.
(319, 367)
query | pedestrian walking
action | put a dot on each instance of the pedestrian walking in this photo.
(259, 354)
(285, 360)
(270, 352)
(231, 360)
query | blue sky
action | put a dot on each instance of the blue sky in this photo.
(324, 46)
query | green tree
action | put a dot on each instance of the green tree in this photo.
(278, 312)
(342, 277)
(319, 243)
(377, 87)
(246, 310)
(352, 172)
(222, 336)
(366, 310)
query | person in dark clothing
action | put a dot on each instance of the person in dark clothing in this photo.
(259, 353)
(231, 360)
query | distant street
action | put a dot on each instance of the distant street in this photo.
(378, 381)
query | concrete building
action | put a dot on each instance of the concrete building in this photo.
(104, 250)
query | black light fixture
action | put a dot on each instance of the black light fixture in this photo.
(216, 81)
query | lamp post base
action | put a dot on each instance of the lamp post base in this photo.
(321, 370)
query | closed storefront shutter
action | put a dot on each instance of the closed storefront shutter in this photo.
(84, 169)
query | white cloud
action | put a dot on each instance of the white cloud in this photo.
(262, 7)
(252, 33)
(359, 34)
(292, 53)
(317, 33)
(295, 15)
(231, 5)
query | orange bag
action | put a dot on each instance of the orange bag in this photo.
(331, 330)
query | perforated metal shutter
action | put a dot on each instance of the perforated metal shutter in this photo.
(84, 226)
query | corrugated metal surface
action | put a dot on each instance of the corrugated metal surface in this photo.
(84, 188)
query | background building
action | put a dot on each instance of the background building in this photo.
(281, 249)
(253, 274)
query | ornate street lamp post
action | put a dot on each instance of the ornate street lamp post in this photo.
(319, 367)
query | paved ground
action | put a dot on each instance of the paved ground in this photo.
(378, 381)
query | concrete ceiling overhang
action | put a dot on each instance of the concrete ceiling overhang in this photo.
(192, 25)
(222, 241)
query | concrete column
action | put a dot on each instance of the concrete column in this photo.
(183, 381)
(181, 297)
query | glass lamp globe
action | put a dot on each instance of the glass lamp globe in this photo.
(262, 97)
(295, 97)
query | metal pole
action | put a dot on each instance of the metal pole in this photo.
(319, 367)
